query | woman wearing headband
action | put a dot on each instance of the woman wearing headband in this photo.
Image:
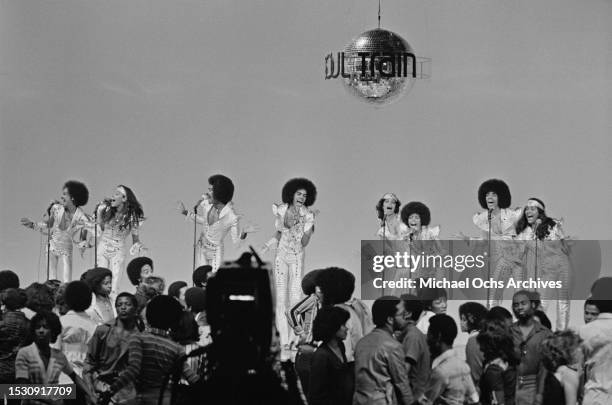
(547, 258)
(65, 220)
(390, 227)
(119, 217)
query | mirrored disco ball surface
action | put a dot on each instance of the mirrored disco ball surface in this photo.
(375, 88)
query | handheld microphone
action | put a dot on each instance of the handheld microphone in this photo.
(53, 202)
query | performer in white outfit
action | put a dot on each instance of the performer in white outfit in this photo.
(218, 219)
(422, 237)
(494, 196)
(294, 223)
(118, 217)
(547, 256)
(387, 210)
(65, 220)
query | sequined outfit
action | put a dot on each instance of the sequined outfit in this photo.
(112, 249)
(210, 243)
(506, 255)
(552, 265)
(63, 233)
(289, 263)
(424, 242)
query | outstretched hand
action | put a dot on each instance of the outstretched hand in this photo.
(181, 208)
(27, 222)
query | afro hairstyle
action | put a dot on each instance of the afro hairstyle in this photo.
(8, 279)
(416, 207)
(474, 314)
(53, 323)
(292, 186)
(77, 296)
(78, 192)
(94, 277)
(135, 266)
(200, 275)
(39, 297)
(309, 282)
(223, 188)
(497, 186)
(163, 312)
(14, 298)
(337, 285)
(327, 323)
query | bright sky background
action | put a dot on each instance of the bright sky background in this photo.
(160, 94)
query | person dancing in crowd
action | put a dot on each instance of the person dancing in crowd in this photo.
(560, 356)
(39, 363)
(65, 221)
(118, 217)
(300, 318)
(331, 379)
(498, 380)
(107, 353)
(528, 335)
(294, 223)
(497, 222)
(390, 227)
(548, 259)
(100, 282)
(218, 219)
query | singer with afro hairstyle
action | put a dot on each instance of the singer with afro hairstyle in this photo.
(294, 223)
(218, 219)
(547, 257)
(64, 219)
(497, 223)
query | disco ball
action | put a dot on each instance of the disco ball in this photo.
(372, 77)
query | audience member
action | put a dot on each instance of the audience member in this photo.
(559, 357)
(528, 335)
(450, 381)
(415, 346)
(472, 314)
(107, 354)
(100, 281)
(381, 372)
(331, 379)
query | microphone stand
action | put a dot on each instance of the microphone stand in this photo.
(384, 242)
(195, 231)
(95, 231)
(48, 250)
(489, 299)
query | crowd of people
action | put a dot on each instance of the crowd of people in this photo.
(123, 348)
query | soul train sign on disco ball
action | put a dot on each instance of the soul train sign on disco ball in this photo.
(378, 66)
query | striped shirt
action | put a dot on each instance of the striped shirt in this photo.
(151, 357)
(301, 317)
(14, 329)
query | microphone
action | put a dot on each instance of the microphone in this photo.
(490, 214)
(536, 224)
(53, 202)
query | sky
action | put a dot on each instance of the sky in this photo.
(159, 95)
